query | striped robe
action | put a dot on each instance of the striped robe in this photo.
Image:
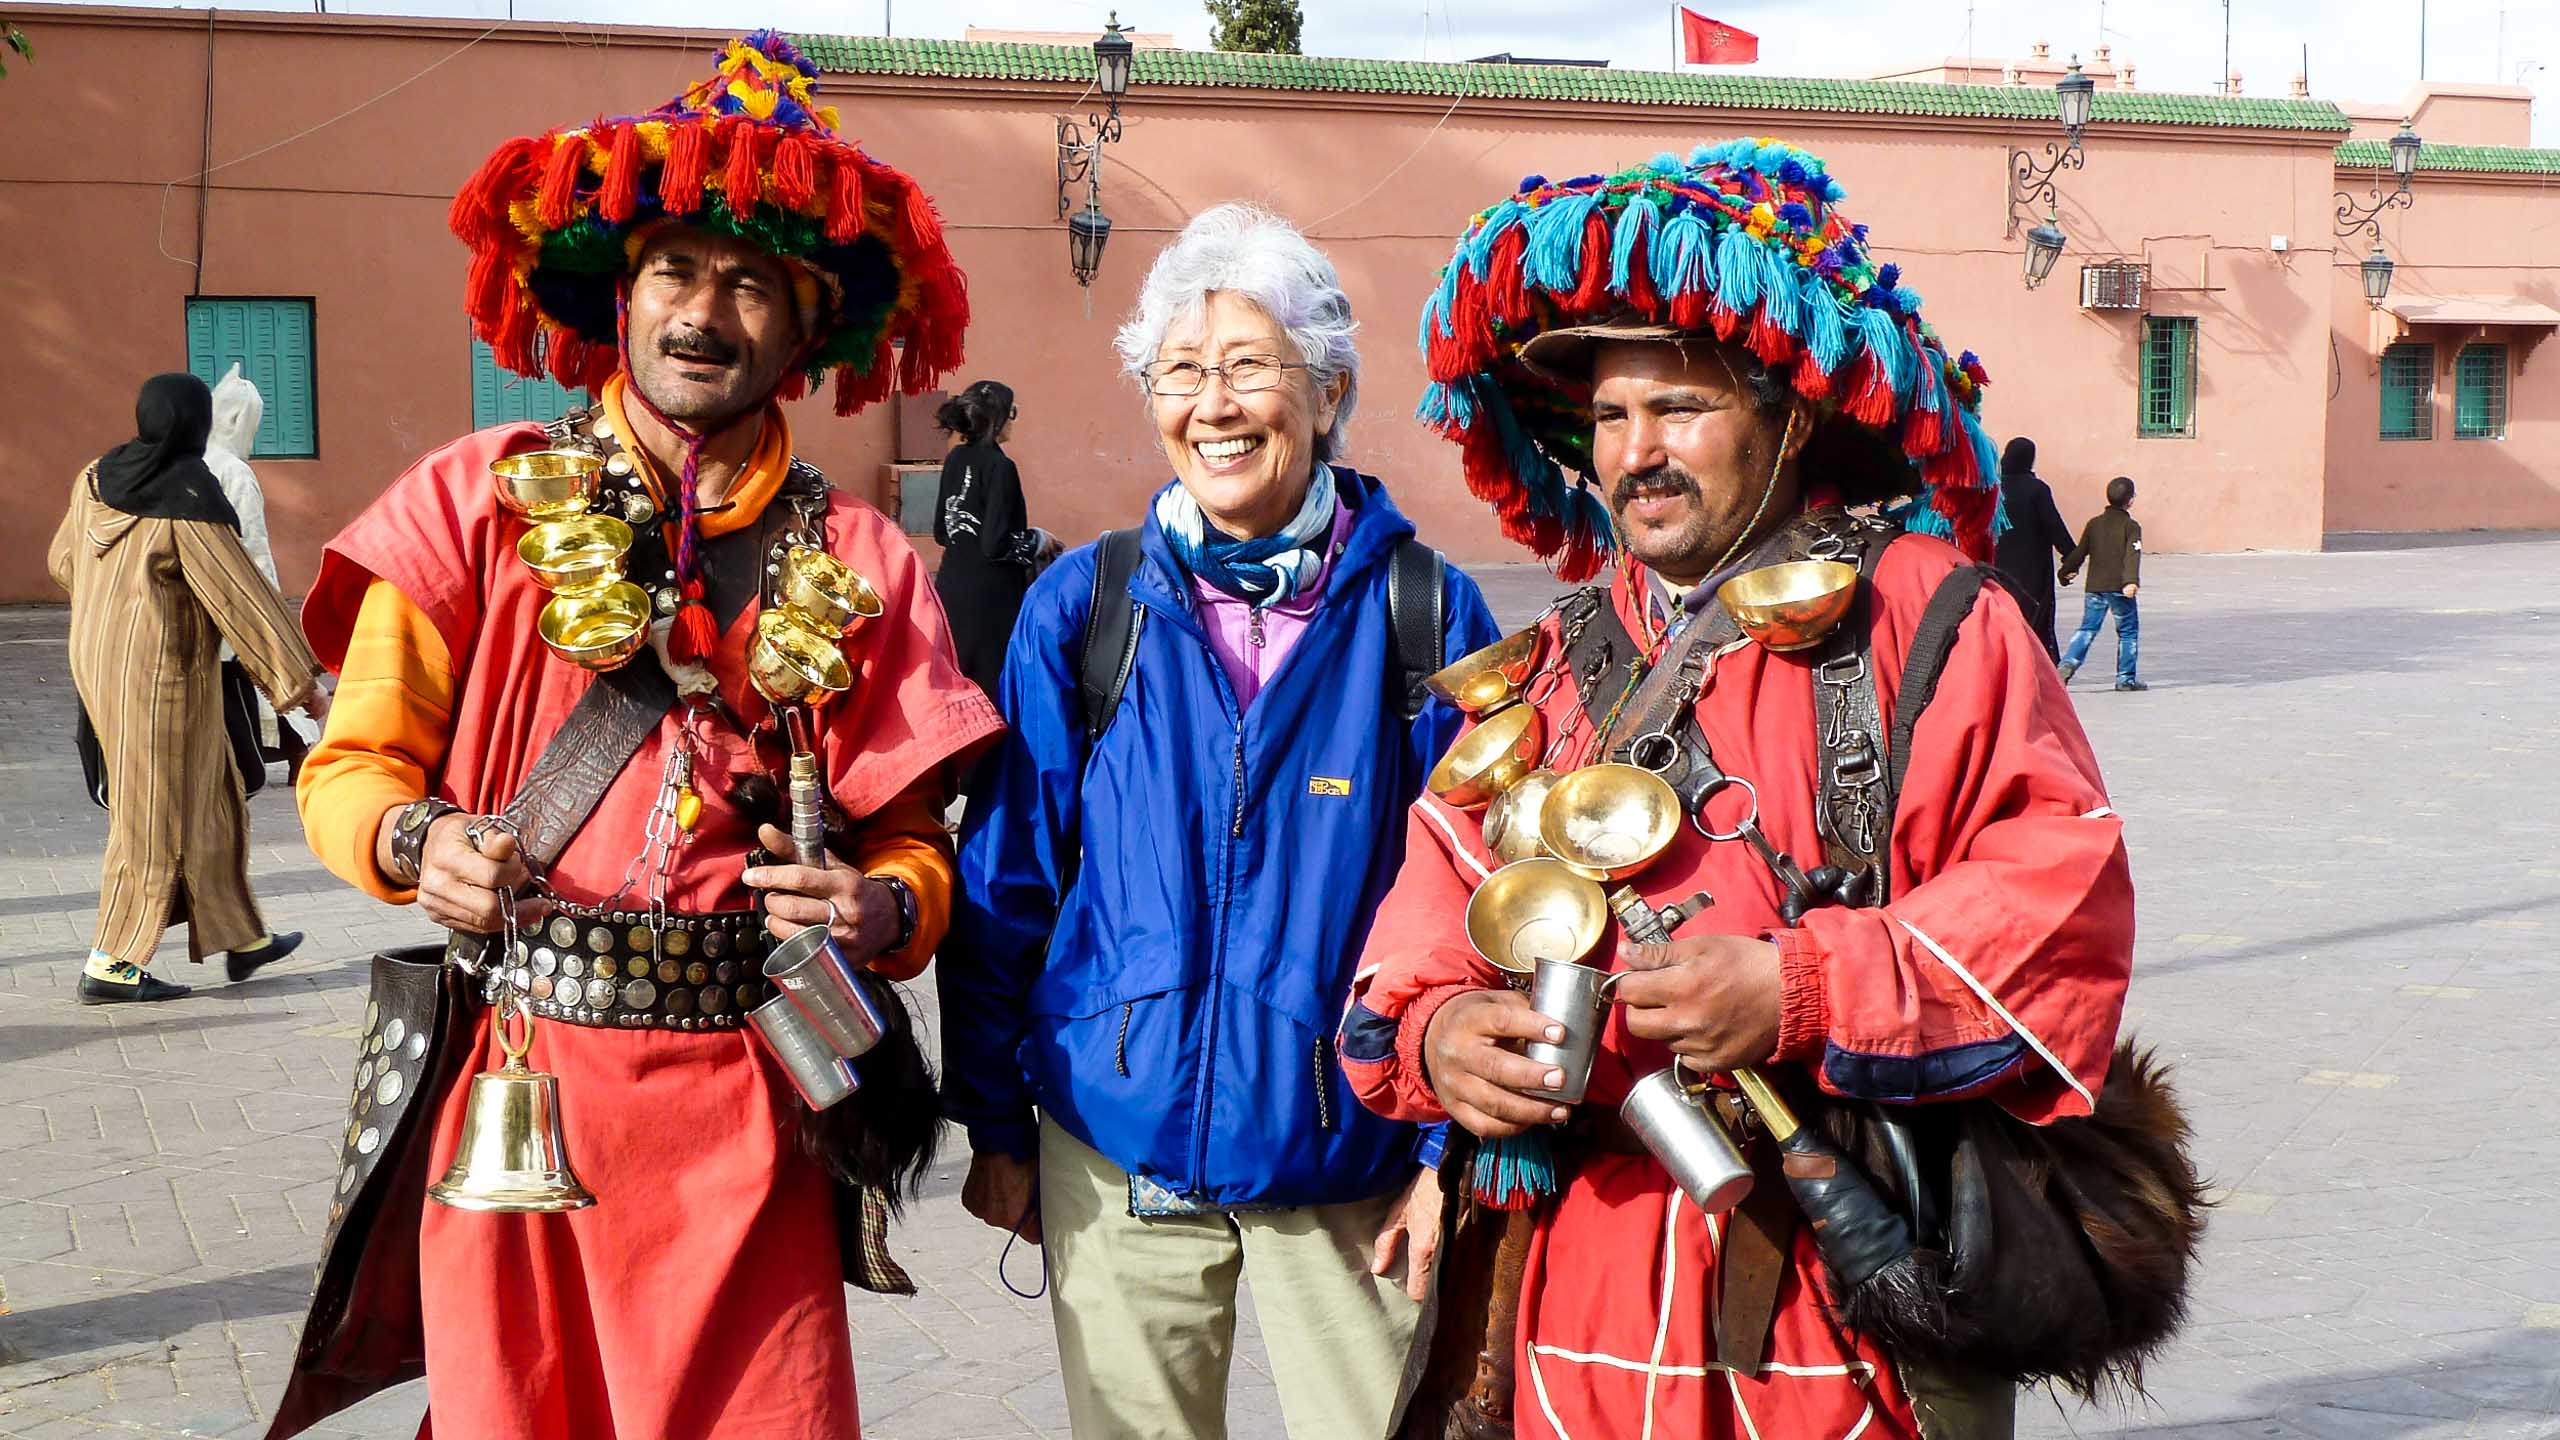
(152, 600)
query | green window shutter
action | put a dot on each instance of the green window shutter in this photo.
(2408, 392)
(500, 397)
(2168, 376)
(2480, 393)
(271, 341)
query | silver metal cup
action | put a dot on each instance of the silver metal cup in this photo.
(816, 977)
(1702, 1158)
(821, 1075)
(1575, 996)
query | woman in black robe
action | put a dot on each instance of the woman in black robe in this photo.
(989, 549)
(2036, 537)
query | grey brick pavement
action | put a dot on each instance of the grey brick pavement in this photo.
(2341, 798)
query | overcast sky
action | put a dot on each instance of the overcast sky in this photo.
(2359, 49)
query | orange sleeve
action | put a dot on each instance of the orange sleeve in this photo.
(389, 726)
(905, 838)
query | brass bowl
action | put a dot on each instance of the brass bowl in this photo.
(1488, 679)
(547, 484)
(793, 663)
(1790, 606)
(1609, 821)
(1511, 821)
(581, 553)
(1490, 758)
(598, 628)
(825, 592)
(1533, 910)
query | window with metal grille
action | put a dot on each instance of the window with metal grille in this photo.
(2480, 393)
(2409, 392)
(2168, 376)
(270, 340)
(499, 395)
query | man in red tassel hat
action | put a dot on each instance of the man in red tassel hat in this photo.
(1873, 915)
(599, 833)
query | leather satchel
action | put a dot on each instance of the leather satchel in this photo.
(418, 1003)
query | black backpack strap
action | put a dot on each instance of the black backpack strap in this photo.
(1417, 622)
(1111, 627)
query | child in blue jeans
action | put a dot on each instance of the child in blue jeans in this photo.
(2111, 546)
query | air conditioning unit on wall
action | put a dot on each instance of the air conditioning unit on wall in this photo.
(2114, 285)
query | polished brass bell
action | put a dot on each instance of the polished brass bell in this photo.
(512, 1158)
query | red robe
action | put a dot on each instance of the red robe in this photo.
(2009, 874)
(702, 1295)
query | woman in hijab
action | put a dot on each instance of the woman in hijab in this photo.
(150, 554)
(2036, 536)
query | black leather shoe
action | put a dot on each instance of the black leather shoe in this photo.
(2131, 685)
(241, 964)
(94, 991)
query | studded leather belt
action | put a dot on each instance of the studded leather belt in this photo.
(612, 970)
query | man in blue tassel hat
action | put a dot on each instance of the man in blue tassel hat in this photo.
(1877, 914)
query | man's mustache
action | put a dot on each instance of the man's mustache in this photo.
(1672, 477)
(697, 345)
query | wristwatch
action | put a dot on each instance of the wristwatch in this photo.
(409, 836)
(906, 911)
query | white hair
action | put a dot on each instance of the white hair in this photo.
(1251, 253)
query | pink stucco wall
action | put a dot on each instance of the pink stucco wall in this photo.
(353, 215)
(2471, 236)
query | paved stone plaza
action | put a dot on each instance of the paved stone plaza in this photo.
(2346, 830)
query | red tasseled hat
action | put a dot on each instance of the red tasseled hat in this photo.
(550, 220)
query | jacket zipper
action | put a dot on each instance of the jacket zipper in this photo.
(1218, 967)
(1324, 1092)
(1120, 1052)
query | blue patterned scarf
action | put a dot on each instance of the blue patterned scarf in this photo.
(1261, 572)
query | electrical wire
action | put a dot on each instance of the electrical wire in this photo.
(161, 236)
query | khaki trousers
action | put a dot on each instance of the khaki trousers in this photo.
(1146, 1309)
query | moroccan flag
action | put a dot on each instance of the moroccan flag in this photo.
(1712, 42)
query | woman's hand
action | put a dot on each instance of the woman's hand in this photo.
(1003, 1190)
(1416, 1215)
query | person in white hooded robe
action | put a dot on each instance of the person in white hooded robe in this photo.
(238, 410)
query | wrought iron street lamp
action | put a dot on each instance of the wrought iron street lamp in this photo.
(2029, 182)
(1080, 159)
(2367, 217)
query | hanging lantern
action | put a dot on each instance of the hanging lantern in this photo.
(1088, 230)
(2376, 271)
(2044, 246)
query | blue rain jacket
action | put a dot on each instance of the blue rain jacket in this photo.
(1156, 931)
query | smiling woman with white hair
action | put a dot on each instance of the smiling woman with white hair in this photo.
(1215, 732)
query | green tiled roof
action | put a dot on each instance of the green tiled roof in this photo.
(2490, 159)
(1073, 65)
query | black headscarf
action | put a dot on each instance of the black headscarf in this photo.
(2019, 458)
(161, 472)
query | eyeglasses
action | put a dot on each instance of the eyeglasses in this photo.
(1242, 376)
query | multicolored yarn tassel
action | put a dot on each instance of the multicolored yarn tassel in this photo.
(1514, 1173)
(1743, 239)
